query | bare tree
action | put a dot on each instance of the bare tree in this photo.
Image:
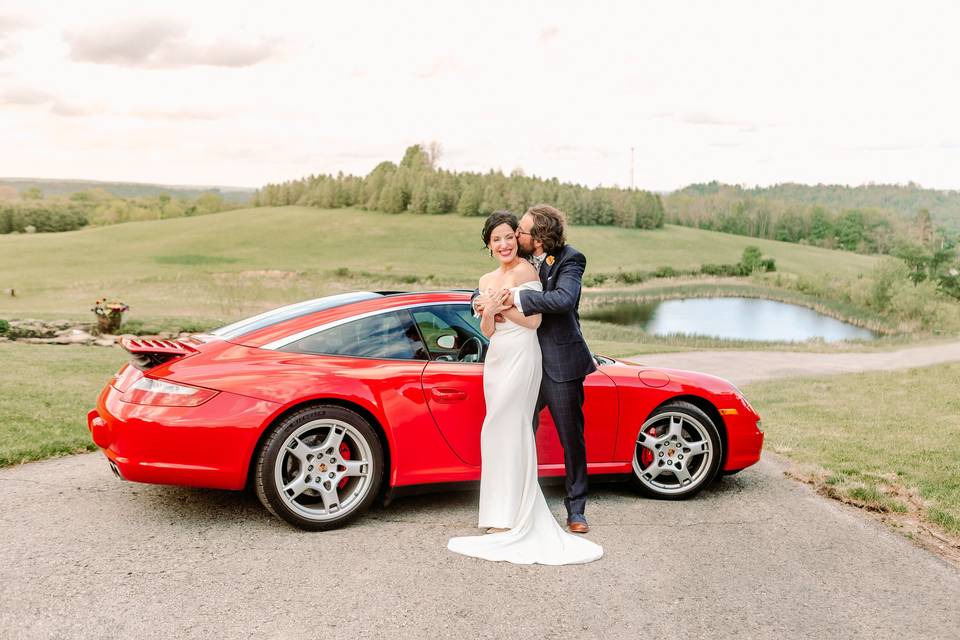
(434, 152)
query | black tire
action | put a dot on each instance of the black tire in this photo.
(704, 457)
(305, 432)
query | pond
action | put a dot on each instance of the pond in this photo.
(730, 318)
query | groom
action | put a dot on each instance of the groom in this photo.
(566, 358)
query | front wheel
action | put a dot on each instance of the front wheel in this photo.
(320, 468)
(677, 452)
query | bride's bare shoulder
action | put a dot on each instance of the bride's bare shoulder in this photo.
(524, 272)
(486, 279)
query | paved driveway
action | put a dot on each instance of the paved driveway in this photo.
(84, 555)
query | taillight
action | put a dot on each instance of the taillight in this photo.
(166, 394)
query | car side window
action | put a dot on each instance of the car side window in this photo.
(445, 328)
(389, 335)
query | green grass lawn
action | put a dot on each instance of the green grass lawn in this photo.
(45, 393)
(873, 433)
(220, 267)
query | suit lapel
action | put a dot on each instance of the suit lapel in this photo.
(547, 269)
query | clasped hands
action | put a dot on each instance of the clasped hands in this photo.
(494, 301)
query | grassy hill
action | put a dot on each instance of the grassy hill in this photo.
(225, 265)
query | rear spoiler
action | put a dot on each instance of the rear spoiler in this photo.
(146, 353)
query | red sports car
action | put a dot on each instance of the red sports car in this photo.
(326, 404)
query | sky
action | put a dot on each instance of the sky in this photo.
(245, 93)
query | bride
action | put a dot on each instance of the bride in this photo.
(520, 527)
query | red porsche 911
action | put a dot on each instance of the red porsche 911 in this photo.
(326, 404)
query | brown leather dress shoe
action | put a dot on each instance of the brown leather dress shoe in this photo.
(578, 527)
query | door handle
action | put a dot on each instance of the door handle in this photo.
(441, 394)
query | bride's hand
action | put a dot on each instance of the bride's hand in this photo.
(504, 298)
(494, 301)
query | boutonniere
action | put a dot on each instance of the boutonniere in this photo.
(550, 260)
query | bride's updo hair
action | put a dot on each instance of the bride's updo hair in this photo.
(496, 219)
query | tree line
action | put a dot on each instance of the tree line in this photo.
(928, 250)
(902, 200)
(417, 185)
(733, 209)
(30, 211)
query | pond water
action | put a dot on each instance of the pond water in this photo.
(731, 318)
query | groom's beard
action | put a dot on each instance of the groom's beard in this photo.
(523, 253)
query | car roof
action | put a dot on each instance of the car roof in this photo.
(276, 324)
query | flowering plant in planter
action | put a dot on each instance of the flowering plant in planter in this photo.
(109, 314)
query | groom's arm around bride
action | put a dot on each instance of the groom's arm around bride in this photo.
(566, 358)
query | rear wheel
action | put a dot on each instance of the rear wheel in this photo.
(677, 452)
(320, 468)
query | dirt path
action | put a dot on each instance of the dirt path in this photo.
(741, 367)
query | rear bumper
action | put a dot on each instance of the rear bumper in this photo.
(205, 446)
(745, 441)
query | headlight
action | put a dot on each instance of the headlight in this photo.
(743, 398)
(160, 393)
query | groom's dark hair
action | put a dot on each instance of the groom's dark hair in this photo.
(549, 227)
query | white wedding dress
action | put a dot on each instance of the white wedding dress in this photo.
(510, 495)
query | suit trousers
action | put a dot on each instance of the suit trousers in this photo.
(565, 401)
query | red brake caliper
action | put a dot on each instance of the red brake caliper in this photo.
(345, 454)
(646, 456)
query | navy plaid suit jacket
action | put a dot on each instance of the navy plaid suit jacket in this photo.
(565, 353)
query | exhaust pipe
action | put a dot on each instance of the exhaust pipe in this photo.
(116, 471)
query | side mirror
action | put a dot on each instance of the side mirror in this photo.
(447, 341)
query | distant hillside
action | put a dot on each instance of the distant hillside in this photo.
(228, 264)
(905, 201)
(50, 187)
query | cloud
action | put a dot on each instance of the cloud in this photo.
(162, 43)
(562, 149)
(702, 118)
(30, 97)
(8, 47)
(439, 67)
(127, 43)
(10, 22)
(24, 96)
(548, 34)
(882, 147)
(68, 110)
(709, 119)
(179, 114)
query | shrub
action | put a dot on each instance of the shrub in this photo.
(751, 259)
(631, 277)
(726, 270)
(594, 279)
(916, 302)
(4, 327)
(665, 272)
(883, 278)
